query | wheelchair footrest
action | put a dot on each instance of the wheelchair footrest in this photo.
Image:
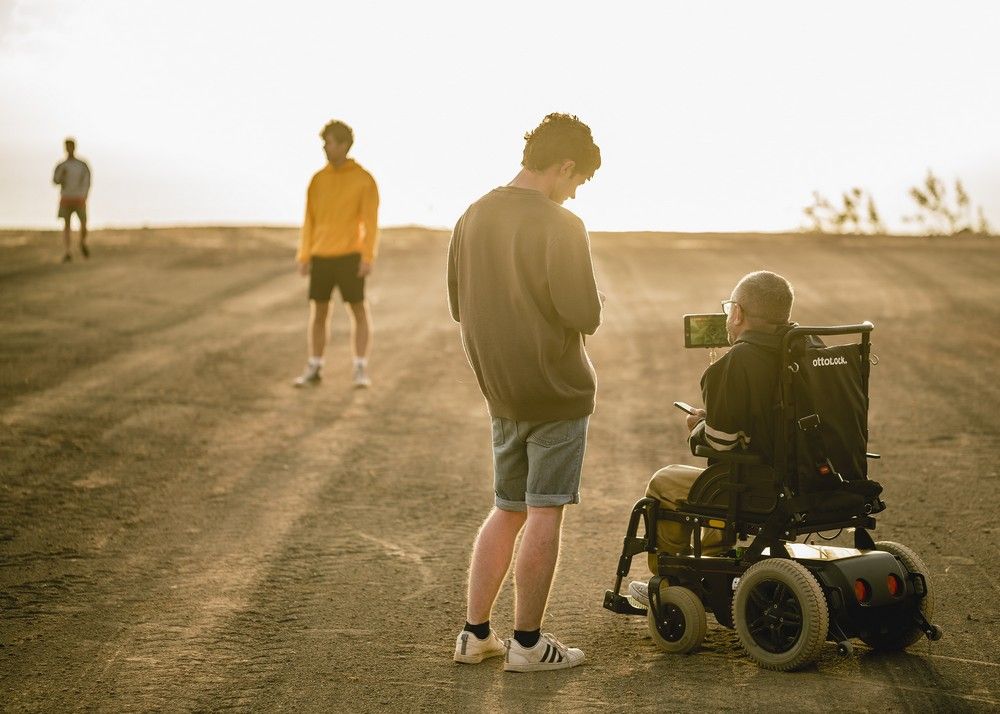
(620, 604)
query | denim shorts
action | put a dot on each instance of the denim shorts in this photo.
(537, 464)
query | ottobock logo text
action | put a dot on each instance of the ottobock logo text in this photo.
(829, 361)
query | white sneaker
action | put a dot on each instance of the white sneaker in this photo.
(548, 653)
(361, 378)
(638, 593)
(469, 649)
(310, 378)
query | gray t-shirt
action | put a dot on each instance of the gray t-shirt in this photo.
(521, 283)
(73, 176)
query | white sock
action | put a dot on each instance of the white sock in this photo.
(315, 361)
(361, 362)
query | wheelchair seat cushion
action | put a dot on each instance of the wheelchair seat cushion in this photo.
(713, 489)
(709, 495)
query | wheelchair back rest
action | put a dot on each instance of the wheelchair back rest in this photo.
(831, 382)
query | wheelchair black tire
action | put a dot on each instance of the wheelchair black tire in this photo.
(775, 593)
(680, 627)
(902, 634)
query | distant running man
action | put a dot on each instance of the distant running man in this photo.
(73, 178)
(521, 283)
(337, 250)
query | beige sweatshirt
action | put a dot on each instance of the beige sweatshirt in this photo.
(521, 283)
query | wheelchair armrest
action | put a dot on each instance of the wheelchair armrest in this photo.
(732, 457)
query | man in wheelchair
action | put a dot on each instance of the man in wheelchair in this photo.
(739, 394)
(785, 432)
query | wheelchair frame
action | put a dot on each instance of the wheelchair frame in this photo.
(838, 571)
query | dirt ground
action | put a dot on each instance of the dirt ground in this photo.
(182, 530)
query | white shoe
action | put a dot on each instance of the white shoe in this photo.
(469, 649)
(638, 593)
(310, 378)
(361, 378)
(548, 653)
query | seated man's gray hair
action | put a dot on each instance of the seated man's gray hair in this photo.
(766, 296)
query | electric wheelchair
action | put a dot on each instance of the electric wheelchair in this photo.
(785, 599)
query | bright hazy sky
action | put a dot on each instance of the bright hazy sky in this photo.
(709, 115)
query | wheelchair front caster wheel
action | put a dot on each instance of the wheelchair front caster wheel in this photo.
(935, 634)
(845, 648)
(679, 625)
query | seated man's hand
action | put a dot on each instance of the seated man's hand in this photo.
(694, 419)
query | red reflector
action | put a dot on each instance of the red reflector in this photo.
(824, 469)
(862, 591)
(895, 585)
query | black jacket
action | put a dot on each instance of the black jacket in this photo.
(741, 396)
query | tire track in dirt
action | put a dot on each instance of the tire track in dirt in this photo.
(123, 556)
(392, 536)
(956, 426)
(197, 331)
(40, 424)
(183, 643)
(98, 395)
(108, 305)
(229, 558)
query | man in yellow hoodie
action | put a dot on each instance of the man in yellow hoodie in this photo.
(337, 250)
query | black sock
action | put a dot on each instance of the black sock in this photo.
(527, 638)
(481, 631)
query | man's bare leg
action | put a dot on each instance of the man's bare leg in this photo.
(536, 564)
(83, 238)
(316, 340)
(537, 556)
(361, 340)
(491, 556)
(361, 328)
(66, 237)
(318, 313)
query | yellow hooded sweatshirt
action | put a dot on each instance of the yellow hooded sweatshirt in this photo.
(341, 214)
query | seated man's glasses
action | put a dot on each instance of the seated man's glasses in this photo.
(727, 306)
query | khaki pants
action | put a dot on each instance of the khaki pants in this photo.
(668, 485)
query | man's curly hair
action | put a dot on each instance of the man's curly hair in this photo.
(340, 133)
(561, 137)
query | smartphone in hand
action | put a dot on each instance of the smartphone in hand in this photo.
(685, 407)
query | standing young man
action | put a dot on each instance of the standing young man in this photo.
(521, 283)
(73, 178)
(337, 250)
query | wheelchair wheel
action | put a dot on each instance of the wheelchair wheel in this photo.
(680, 625)
(898, 631)
(780, 614)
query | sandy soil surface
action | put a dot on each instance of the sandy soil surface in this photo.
(182, 530)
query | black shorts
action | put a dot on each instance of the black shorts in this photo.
(341, 272)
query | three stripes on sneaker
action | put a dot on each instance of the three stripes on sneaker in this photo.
(552, 654)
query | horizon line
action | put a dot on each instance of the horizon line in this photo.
(443, 229)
